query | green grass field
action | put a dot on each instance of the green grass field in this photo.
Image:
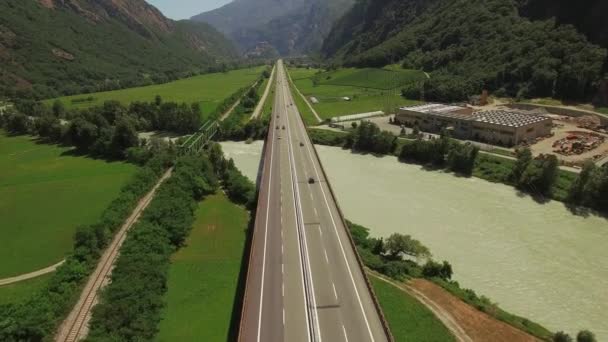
(362, 90)
(45, 193)
(203, 276)
(371, 78)
(208, 90)
(408, 319)
(21, 291)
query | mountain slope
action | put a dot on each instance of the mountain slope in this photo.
(589, 17)
(241, 14)
(469, 45)
(61, 47)
(292, 27)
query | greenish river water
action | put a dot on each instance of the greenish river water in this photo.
(536, 260)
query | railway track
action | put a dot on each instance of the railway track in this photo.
(75, 327)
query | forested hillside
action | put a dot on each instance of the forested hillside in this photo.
(292, 27)
(469, 45)
(60, 47)
(589, 17)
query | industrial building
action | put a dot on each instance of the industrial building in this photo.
(499, 127)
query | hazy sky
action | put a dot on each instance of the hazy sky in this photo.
(184, 9)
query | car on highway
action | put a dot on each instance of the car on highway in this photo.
(311, 180)
(283, 127)
(277, 127)
(301, 144)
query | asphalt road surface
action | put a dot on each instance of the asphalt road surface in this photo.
(304, 282)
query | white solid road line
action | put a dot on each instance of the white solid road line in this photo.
(299, 248)
(265, 239)
(345, 334)
(340, 241)
(335, 292)
(299, 205)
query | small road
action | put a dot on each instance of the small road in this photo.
(75, 327)
(31, 275)
(305, 99)
(260, 106)
(305, 281)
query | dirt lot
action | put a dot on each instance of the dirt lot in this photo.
(562, 131)
(479, 326)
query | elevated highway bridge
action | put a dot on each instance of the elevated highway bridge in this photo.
(305, 281)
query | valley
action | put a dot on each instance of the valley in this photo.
(303, 170)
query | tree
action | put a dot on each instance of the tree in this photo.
(398, 244)
(524, 157)
(461, 158)
(540, 174)
(82, 134)
(585, 336)
(125, 136)
(576, 193)
(17, 123)
(561, 336)
(433, 269)
(58, 108)
(158, 100)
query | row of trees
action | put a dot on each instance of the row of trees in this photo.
(582, 336)
(590, 188)
(536, 176)
(367, 137)
(130, 308)
(37, 318)
(442, 152)
(107, 130)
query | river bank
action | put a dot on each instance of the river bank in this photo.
(535, 260)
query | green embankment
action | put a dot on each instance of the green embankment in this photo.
(45, 194)
(307, 115)
(204, 275)
(267, 109)
(208, 90)
(368, 89)
(408, 319)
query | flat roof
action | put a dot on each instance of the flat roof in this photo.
(440, 110)
(507, 118)
(432, 107)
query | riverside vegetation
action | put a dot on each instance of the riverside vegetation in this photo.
(540, 177)
(401, 257)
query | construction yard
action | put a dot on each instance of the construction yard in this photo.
(574, 141)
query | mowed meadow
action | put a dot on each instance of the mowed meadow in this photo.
(208, 90)
(368, 90)
(204, 275)
(46, 192)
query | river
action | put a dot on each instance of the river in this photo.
(535, 260)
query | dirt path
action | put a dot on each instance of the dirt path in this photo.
(238, 102)
(444, 316)
(75, 326)
(260, 106)
(35, 274)
(478, 325)
(465, 322)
